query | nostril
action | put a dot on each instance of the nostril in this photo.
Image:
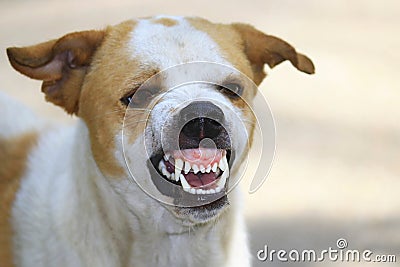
(200, 128)
(201, 119)
(191, 129)
(212, 128)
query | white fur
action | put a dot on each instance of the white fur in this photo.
(166, 46)
(16, 118)
(66, 214)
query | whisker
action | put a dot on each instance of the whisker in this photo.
(146, 109)
(104, 114)
(249, 122)
(115, 111)
(134, 122)
(134, 115)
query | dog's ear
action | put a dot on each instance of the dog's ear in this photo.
(263, 49)
(61, 64)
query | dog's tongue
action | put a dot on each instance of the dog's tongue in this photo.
(204, 180)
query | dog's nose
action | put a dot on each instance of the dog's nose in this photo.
(202, 119)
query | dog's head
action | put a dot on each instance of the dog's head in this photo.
(166, 100)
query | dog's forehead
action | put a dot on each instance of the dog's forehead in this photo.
(166, 41)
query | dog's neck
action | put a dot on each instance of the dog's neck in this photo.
(131, 231)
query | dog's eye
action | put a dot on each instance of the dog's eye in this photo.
(126, 100)
(142, 96)
(233, 90)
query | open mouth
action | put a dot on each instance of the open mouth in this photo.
(192, 167)
(201, 171)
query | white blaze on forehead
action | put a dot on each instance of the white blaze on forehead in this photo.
(165, 46)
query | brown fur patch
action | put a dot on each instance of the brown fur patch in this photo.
(229, 41)
(166, 22)
(232, 49)
(113, 74)
(61, 64)
(13, 156)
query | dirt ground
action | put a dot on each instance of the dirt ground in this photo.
(336, 172)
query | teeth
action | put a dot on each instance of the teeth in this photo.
(214, 167)
(223, 163)
(161, 165)
(202, 169)
(184, 183)
(166, 173)
(208, 169)
(187, 167)
(195, 168)
(222, 180)
(163, 169)
(178, 167)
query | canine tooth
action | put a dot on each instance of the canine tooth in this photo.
(202, 169)
(187, 167)
(214, 167)
(212, 191)
(166, 173)
(192, 191)
(218, 189)
(166, 156)
(172, 176)
(178, 167)
(184, 183)
(222, 180)
(161, 165)
(223, 163)
(195, 168)
(208, 168)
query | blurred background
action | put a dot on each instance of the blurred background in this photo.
(337, 168)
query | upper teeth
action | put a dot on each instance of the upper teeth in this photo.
(223, 163)
(185, 166)
(178, 168)
(195, 169)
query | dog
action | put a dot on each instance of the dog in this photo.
(142, 178)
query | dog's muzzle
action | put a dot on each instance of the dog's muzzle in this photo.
(196, 151)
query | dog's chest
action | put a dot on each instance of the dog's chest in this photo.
(176, 250)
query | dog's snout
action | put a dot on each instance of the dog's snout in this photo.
(202, 119)
(201, 109)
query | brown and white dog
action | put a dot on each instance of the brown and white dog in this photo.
(67, 197)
